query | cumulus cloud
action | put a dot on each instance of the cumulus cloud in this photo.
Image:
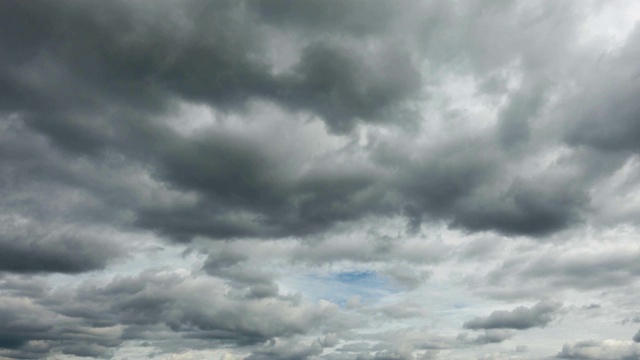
(277, 349)
(317, 179)
(493, 336)
(30, 330)
(610, 99)
(490, 336)
(520, 318)
(94, 319)
(605, 349)
(239, 189)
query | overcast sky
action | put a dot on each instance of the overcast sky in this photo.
(320, 180)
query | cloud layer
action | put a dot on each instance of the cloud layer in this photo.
(332, 180)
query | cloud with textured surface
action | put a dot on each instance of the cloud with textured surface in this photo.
(319, 180)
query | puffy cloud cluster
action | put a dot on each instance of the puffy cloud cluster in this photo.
(606, 350)
(94, 318)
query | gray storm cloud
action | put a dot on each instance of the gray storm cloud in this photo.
(283, 179)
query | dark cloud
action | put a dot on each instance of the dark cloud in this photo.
(636, 337)
(436, 182)
(375, 248)
(42, 253)
(131, 58)
(91, 320)
(23, 286)
(58, 214)
(492, 336)
(513, 129)
(343, 87)
(125, 69)
(520, 318)
(155, 299)
(605, 112)
(534, 208)
(29, 330)
(234, 176)
(454, 183)
(573, 269)
(354, 17)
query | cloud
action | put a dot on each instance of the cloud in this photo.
(605, 350)
(527, 208)
(32, 251)
(357, 18)
(152, 299)
(240, 188)
(205, 175)
(343, 87)
(520, 318)
(607, 122)
(95, 319)
(30, 330)
(490, 336)
(493, 336)
(573, 268)
(277, 349)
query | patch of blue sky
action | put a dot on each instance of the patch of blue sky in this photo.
(353, 277)
(339, 287)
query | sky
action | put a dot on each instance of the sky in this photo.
(320, 180)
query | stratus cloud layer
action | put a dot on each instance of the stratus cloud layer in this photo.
(319, 179)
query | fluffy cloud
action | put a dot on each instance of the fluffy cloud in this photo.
(239, 189)
(606, 350)
(93, 319)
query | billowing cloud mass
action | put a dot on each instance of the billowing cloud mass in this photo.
(319, 180)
